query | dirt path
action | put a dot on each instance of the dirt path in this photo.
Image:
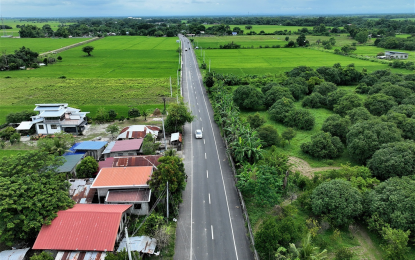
(304, 168)
(366, 250)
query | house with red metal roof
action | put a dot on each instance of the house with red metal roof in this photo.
(130, 161)
(125, 185)
(123, 148)
(85, 227)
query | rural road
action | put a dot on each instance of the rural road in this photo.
(210, 224)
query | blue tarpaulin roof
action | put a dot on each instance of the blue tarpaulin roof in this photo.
(90, 145)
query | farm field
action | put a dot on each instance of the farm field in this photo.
(114, 57)
(267, 28)
(39, 45)
(15, 31)
(261, 61)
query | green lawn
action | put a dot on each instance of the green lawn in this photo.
(114, 57)
(261, 61)
(39, 45)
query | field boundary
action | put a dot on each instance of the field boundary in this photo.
(70, 46)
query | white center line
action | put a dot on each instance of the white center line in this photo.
(204, 141)
(209, 198)
(205, 156)
(211, 228)
(199, 112)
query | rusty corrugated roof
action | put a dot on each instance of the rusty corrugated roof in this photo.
(77, 255)
(122, 177)
(145, 160)
(85, 227)
(129, 196)
(136, 134)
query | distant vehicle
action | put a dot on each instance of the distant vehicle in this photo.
(197, 47)
(185, 49)
(198, 134)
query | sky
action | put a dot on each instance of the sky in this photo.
(137, 8)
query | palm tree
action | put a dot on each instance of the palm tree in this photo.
(308, 251)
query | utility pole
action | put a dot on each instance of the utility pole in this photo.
(177, 78)
(164, 133)
(171, 92)
(167, 202)
(128, 244)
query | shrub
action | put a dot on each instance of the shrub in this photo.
(62, 77)
(346, 103)
(337, 126)
(149, 146)
(379, 104)
(301, 119)
(362, 88)
(280, 109)
(59, 58)
(325, 88)
(15, 138)
(333, 98)
(344, 253)
(248, 97)
(7, 132)
(408, 110)
(358, 114)
(315, 100)
(398, 92)
(256, 120)
(396, 243)
(35, 65)
(86, 167)
(324, 146)
(268, 135)
(276, 93)
(337, 200)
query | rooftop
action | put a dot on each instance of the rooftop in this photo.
(77, 255)
(123, 177)
(16, 254)
(128, 161)
(123, 196)
(85, 227)
(70, 163)
(80, 190)
(90, 145)
(142, 244)
(127, 145)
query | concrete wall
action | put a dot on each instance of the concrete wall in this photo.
(47, 129)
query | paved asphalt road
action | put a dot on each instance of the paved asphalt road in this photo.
(211, 224)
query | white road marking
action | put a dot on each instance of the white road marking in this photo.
(205, 156)
(202, 126)
(209, 199)
(204, 141)
(199, 112)
(207, 174)
(211, 228)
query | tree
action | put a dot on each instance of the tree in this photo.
(112, 115)
(268, 135)
(346, 103)
(347, 49)
(112, 129)
(325, 88)
(163, 236)
(315, 100)
(7, 132)
(301, 40)
(379, 104)
(396, 243)
(362, 36)
(247, 97)
(149, 146)
(59, 58)
(42, 256)
(15, 138)
(288, 134)
(57, 145)
(307, 250)
(300, 118)
(133, 113)
(336, 126)
(366, 137)
(358, 114)
(391, 203)
(324, 146)
(179, 114)
(256, 120)
(209, 80)
(144, 113)
(86, 168)
(393, 159)
(287, 38)
(333, 98)
(88, 49)
(276, 93)
(337, 200)
(170, 169)
(20, 116)
(397, 92)
(102, 115)
(247, 148)
(31, 193)
(158, 33)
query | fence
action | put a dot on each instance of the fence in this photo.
(241, 200)
(71, 46)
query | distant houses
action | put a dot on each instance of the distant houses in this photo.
(396, 55)
(56, 118)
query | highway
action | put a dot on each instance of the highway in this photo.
(210, 224)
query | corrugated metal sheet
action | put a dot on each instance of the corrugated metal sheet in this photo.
(127, 145)
(136, 134)
(119, 177)
(129, 196)
(70, 162)
(17, 254)
(81, 190)
(145, 160)
(85, 227)
(91, 145)
(77, 255)
(105, 164)
(175, 136)
(109, 147)
(142, 244)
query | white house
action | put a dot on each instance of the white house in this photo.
(396, 55)
(56, 118)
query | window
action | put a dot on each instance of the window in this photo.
(53, 127)
(41, 127)
(120, 154)
(131, 154)
(137, 206)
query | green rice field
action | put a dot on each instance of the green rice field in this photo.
(39, 45)
(114, 57)
(15, 31)
(274, 61)
(267, 28)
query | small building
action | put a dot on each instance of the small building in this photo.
(125, 185)
(85, 227)
(16, 254)
(71, 161)
(130, 161)
(138, 132)
(142, 244)
(396, 55)
(91, 148)
(176, 139)
(123, 148)
(234, 33)
(56, 118)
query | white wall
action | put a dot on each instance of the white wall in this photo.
(41, 131)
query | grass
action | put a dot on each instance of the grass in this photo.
(275, 61)
(39, 45)
(8, 153)
(268, 28)
(114, 57)
(15, 31)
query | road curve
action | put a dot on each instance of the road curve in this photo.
(211, 224)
